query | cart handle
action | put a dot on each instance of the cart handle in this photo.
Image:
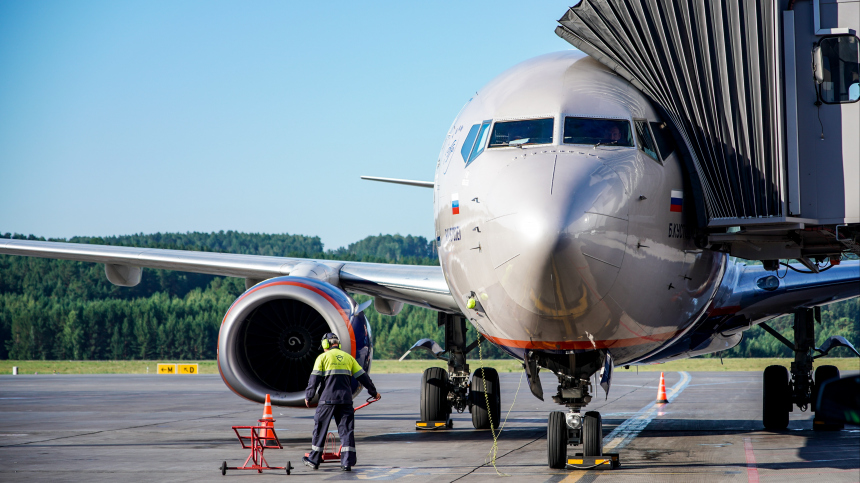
(369, 401)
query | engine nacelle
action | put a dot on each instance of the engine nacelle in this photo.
(270, 337)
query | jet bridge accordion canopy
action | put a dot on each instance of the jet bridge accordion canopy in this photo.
(713, 68)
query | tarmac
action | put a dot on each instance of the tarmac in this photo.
(177, 428)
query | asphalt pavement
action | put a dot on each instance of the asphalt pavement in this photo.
(178, 428)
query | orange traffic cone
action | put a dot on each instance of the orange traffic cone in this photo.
(269, 423)
(661, 391)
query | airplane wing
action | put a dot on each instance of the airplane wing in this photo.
(420, 285)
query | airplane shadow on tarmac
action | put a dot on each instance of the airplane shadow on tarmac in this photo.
(820, 449)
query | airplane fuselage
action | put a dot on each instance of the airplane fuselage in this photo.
(568, 244)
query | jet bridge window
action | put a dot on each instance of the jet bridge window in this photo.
(643, 137)
(519, 133)
(837, 69)
(603, 132)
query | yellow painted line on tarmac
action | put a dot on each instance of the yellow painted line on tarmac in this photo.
(574, 476)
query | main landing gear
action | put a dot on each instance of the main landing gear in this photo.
(443, 392)
(783, 389)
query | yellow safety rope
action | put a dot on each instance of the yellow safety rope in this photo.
(495, 448)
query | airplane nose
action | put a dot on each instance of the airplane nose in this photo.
(557, 236)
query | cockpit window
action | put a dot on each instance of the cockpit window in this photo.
(469, 142)
(481, 142)
(644, 139)
(475, 141)
(518, 133)
(603, 132)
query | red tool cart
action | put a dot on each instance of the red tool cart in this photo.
(329, 452)
(261, 437)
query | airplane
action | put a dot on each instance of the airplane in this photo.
(560, 214)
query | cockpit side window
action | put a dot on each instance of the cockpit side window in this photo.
(603, 132)
(644, 139)
(469, 142)
(481, 142)
(661, 133)
(519, 133)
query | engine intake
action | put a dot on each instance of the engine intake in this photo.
(270, 337)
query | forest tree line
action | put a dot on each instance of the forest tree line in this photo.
(58, 309)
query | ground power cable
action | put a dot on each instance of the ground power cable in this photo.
(494, 450)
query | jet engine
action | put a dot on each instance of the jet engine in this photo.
(270, 337)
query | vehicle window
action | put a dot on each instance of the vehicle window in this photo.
(469, 142)
(664, 139)
(481, 142)
(584, 130)
(840, 64)
(532, 131)
(643, 137)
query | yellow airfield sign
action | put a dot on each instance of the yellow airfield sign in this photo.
(167, 368)
(178, 369)
(188, 368)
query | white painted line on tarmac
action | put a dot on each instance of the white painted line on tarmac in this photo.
(628, 430)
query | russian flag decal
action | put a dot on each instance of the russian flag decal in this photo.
(455, 204)
(677, 201)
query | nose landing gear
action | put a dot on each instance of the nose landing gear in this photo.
(572, 429)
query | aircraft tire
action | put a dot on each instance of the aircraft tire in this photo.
(556, 440)
(480, 415)
(776, 398)
(592, 434)
(822, 373)
(434, 395)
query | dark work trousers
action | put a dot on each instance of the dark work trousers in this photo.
(344, 416)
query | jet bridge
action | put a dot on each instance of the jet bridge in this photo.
(762, 96)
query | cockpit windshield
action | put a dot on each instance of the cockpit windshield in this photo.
(518, 133)
(603, 132)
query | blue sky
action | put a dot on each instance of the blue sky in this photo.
(128, 117)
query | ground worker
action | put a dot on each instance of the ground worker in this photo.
(334, 370)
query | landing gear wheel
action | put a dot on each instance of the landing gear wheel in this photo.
(480, 415)
(592, 434)
(822, 375)
(289, 467)
(556, 440)
(434, 395)
(776, 398)
(223, 468)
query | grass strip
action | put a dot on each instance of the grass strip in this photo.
(409, 366)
